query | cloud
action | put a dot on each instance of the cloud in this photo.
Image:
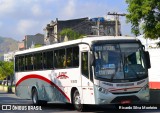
(25, 26)
(21, 17)
(91, 9)
(50, 1)
(69, 9)
(6, 7)
(36, 10)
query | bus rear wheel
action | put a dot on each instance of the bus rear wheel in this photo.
(35, 99)
(77, 101)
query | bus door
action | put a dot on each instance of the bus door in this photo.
(87, 84)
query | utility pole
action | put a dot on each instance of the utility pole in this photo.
(116, 16)
(98, 25)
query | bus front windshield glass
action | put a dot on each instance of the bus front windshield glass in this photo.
(119, 61)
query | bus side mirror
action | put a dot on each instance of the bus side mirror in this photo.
(147, 56)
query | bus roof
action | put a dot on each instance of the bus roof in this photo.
(88, 39)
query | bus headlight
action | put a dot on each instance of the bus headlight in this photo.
(102, 90)
(146, 87)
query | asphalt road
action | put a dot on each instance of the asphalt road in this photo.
(11, 99)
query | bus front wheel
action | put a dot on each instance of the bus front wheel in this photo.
(77, 101)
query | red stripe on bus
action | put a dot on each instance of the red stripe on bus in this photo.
(125, 88)
(41, 78)
(154, 85)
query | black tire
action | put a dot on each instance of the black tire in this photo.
(35, 100)
(77, 101)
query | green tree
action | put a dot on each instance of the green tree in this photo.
(38, 45)
(147, 13)
(71, 34)
(6, 70)
(1, 70)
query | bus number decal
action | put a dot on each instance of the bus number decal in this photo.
(73, 81)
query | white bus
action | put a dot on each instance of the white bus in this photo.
(91, 70)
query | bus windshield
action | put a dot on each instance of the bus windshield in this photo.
(119, 61)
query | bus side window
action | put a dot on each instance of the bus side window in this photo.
(68, 60)
(35, 61)
(84, 64)
(49, 59)
(16, 63)
(32, 63)
(39, 61)
(56, 60)
(76, 56)
(26, 63)
(44, 60)
(22, 63)
(19, 63)
(61, 58)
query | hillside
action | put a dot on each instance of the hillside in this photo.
(7, 45)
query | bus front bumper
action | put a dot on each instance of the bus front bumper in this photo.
(105, 97)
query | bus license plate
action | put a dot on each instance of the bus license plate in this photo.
(125, 102)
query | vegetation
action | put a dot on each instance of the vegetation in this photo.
(147, 13)
(6, 70)
(71, 34)
(37, 45)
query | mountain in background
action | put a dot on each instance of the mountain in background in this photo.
(7, 45)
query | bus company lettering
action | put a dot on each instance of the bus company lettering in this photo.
(62, 75)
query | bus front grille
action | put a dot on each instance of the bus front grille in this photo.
(124, 92)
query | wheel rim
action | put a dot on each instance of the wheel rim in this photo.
(34, 98)
(77, 101)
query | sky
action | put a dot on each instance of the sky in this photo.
(29, 17)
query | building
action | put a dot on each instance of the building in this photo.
(85, 26)
(30, 41)
(154, 50)
(149, 43)
(21, 46)
(9, 56)
(53, 29)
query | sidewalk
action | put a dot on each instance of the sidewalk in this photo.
(7, 89)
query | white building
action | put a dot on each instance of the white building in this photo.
(149, 43)
(9, 56)
(154, 51)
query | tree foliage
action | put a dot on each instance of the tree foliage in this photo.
(71, 34)
(6, 69)
(37, 45)
(147, 13)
